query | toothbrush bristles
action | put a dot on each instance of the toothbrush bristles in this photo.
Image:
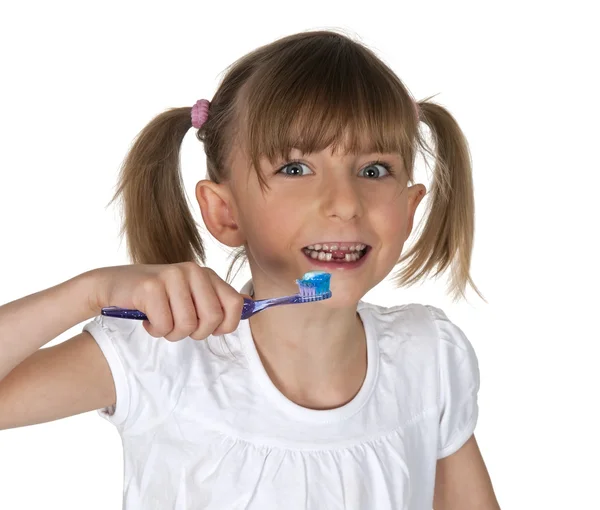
(314, 286)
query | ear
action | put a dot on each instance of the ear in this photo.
(218, 212)
(416, 193)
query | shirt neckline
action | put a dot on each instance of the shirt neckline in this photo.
(303, 413)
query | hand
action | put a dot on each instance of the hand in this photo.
(180, 300)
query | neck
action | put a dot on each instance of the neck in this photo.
(314, 354)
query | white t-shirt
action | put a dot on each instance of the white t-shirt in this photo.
(203, 426)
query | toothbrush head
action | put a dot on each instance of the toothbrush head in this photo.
(314, 286)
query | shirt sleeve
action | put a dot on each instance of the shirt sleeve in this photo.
(145, 371)
(459, 385)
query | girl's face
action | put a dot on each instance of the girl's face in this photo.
(324, 198)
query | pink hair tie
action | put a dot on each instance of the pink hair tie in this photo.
(200, 113)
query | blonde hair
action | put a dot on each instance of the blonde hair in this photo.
(309, 90)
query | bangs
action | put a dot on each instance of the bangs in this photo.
(325, 92)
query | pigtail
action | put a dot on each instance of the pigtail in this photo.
(446, 240)
(157, 220)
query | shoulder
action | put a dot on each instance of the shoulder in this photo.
(416, 318)
(408, 313)
(420, 328)
(405, 337)
(408, 320)
(455, 348)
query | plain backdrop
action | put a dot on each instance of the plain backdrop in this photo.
(80, 79)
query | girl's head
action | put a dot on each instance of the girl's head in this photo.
(309, 139)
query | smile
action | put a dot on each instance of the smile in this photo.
(342, 254)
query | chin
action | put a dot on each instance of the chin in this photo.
(340, 300)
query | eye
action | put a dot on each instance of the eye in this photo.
(374, 169)
(293, 169)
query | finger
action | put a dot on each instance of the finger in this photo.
(185, 318)
(154, 302)
(208, 307)
(232, 303)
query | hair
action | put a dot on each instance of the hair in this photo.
(310, 90)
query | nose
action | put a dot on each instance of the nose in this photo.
(341, 198)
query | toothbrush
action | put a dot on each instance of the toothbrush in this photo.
(314, 286)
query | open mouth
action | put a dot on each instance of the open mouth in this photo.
(337, 252)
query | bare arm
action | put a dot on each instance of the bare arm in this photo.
(462, 481)
(40, 385)
(32, 321)
(70, 378)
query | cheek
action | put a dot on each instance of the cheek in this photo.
(270, 226)
(389, 218)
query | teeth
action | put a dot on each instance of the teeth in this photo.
(334, 247)
(323, 251)
(327, 257)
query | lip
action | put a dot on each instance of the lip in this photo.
(344, 266)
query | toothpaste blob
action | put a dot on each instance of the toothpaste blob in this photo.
(315, 284)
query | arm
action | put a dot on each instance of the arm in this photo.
(38, 385)
(462, 481)
(32, 321)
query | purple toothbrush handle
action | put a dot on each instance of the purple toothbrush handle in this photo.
(251, 307)
(248, 310)
(123, 313)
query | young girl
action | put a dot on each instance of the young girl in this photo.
(310, 145)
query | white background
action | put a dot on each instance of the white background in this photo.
(80, 79)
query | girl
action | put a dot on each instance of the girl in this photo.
(310, 145)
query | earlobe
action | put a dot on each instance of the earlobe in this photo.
(216, 206)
